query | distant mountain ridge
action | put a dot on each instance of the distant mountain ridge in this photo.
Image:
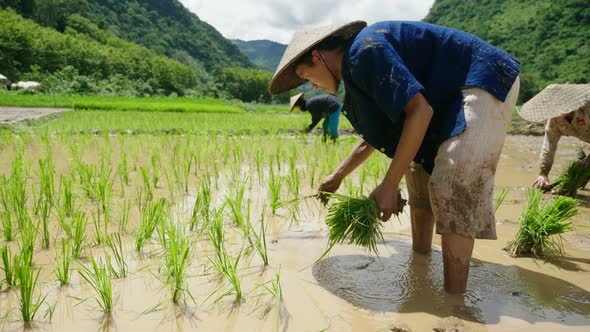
(263, 53)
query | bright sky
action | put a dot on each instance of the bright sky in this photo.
(277, 20)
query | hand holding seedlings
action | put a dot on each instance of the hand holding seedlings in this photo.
(387, 200)
(329, 185)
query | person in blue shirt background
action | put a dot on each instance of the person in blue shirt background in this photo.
(435, 100)
(326, 107)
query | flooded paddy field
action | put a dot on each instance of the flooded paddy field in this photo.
(215, 233)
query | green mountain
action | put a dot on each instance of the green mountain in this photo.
(550, 38)
(263, 53)
(163, 26)
(85, 59)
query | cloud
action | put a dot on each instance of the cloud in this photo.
(278, 19)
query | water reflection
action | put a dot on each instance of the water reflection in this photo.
(407, 282)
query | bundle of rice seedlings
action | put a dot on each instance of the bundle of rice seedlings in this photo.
(356, 220)
(541, 227)
(575, 177)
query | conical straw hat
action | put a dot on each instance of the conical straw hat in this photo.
(556, 100)
(294, 100)
(285, 78)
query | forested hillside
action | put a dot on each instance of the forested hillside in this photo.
(163, 26)
(263, 53)
(550, 38)
(125, 47)
(85, 56)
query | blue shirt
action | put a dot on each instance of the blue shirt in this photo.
(387, 63)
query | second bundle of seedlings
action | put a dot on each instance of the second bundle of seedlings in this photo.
(541, 226)
(576, 176)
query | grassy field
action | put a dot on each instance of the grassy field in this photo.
(145, 104)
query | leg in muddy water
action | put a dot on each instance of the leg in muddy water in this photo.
(422, 229)
(456, 257)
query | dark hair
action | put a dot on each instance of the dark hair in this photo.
(328, 44)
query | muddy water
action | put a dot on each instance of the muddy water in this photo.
(350, 290)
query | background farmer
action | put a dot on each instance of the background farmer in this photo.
(326, 107)
(566, 108)
(416, 92)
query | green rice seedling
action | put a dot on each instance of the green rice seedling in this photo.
(29, 233)
(47, 177)
(154, 214)
(124, 216)
(99, 233)
(120, 268)
(45, 214)
(149, 190)
(274, 189)
(7, 228)
(235, 201)
(575, 177)
(541, 227)
(50, 311)
(87, 174)
(27, 282)
(176, 259)
(223, 263)
(66, 201)
(156, 165)
(9, 264)
(202, 203)
(227, 267)
(362, 178)
(103, 191)
(276, 291)
(79, 224)
(500, 199)
(99, 279)
(187, 162)
(258, 240)
(123, 169)
(293, 182)
(63, 258)
(259, 161)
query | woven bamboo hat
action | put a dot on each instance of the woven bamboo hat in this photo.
(285, 77)
(294, 99)
(556, 100)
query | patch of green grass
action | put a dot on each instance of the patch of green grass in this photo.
(112, 103)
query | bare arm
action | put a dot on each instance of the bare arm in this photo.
(357, 156)
(418, 116)
(552, 136)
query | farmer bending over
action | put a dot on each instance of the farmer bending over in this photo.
(321, 107)
(417, 92)
(566, 108)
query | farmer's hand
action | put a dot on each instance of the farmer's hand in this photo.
(386, 197)
(585, 162)
(329, 185)
(541, 182)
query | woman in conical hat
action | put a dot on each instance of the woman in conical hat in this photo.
(566, 108)
(435, 100)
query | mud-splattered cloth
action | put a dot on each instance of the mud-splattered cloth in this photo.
(387, 63)
(460, 190)
(578, 125)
